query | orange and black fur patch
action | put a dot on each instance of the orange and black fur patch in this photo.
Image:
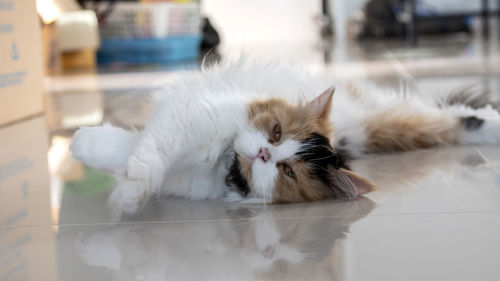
(400, 129)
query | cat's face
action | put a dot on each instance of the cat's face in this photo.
(284, 154)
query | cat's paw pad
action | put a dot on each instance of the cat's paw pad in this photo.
(129, 196)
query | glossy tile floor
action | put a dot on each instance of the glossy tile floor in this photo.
(435, 215)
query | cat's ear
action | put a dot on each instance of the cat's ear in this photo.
(321, 105)
(359, 184)
(345, 184)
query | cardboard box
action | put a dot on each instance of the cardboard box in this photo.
(20, 60)
(24, 173)
(27, 253)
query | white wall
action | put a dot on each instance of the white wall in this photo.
(250, 22)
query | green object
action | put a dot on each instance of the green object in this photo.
(93, 183)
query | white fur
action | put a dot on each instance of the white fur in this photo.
(264, 174)
(247, 143)
(263, 179)
(104, 147)
(198, 122)
(489, 133)
(285, 150)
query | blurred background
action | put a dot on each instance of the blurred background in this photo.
(95, 51)
(71, 63)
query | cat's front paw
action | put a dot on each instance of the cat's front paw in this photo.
(136, 169)
(130, 196)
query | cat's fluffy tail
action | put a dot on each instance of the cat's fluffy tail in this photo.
(104, 148)
(460, 117)
(470, 97)
(478, 113)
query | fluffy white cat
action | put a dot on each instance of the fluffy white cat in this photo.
(266, 132)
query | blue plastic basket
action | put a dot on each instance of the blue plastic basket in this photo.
(167, 51)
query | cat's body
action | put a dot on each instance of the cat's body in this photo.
(230, 126)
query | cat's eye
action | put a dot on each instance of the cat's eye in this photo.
(277, 133)
(287, 170)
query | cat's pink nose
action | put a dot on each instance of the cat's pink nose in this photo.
(264, 154)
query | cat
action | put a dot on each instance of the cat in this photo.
(269, 133)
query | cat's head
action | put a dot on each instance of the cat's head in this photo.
(284, 154)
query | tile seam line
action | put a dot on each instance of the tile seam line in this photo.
(482, 156)
(156, 222)
(245, 219)
(488, 162)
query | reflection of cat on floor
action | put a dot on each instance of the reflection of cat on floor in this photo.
(279, 242)
(392, 172)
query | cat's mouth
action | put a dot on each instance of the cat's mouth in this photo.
(249, 159)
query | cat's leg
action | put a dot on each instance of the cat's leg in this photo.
(105, 148)
(129, 195)
(141, 177)
(149, 163)
(131, 157)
